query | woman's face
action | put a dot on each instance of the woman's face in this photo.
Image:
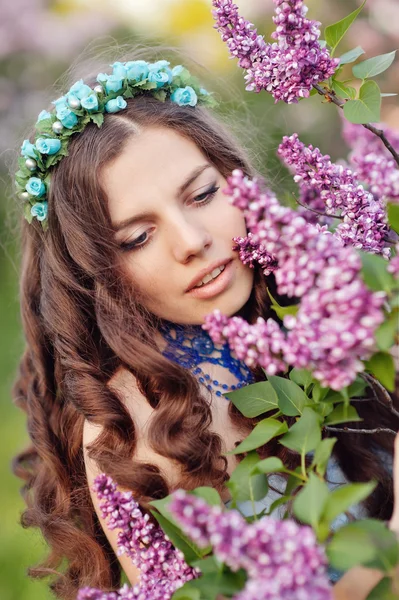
(175, 228)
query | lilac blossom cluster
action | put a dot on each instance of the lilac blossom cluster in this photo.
(374, 164)
(364, 221)
(282, 559)
(287, 68)
(333, 330)
(251, 253)
(162, 568)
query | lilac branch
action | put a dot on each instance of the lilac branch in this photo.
(317, 212)
(332, 97)
(352, 430)
(383, 397)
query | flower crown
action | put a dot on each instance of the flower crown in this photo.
(82, 105)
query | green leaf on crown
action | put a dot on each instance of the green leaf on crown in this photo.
(255, 399)
(22, 178)
(97, 118)
(27, 213)
(373, 66)
(382, 366)
(291, 398)
(393, 216)
(45, 125)
(335, 32)
(351, 55)
(160, 95)
(367, 109)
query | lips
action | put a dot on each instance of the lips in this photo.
(208, 274)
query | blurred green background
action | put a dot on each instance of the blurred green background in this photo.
(38, 41)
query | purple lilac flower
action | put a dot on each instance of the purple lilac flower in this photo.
(287, 68)
(374, 164)
(251, 252)
(364, 222)
(334, 328)
(162, 568)
(282, 559)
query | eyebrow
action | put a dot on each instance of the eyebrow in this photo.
(190, 179)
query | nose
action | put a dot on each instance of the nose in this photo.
(189, 238)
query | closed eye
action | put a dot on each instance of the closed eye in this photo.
(206, 196)
(138, 242)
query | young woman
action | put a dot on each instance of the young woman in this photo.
(116, 279)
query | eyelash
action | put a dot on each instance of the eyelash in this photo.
(205, 198)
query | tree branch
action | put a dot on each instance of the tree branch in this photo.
(332, 97)
(383, 397)
(318, 212)
(353, 430)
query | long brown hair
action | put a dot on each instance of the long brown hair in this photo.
(82, 322)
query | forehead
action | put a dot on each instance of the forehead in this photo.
(152, 164)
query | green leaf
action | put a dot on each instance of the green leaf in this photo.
(382, 366)
(301, 377)
(97, 118)
(242, 482)
(282, 311)
(322, 455)
(291, 398)
(160, 95)
(255, 399)
(388, 331)
(393, 216)
(28, 215)
(367, 109)
(305, 434)
(368, 542)
(210, 495)
(187, 592)
(343, 413)
(209, 564)
(383, 591)
(344, 91)
(309, 503)
(262, 433)
(335, 32)
(269, 465)
(373, 66)
(212, 586)
(351, 55)
(319, 392)
(374, 272)
(190, 550)
(341, 499)
(357, 388)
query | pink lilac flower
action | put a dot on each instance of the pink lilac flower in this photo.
(162, 568)
(333, 330)
(287, 68)
(250, 253)
(374, 164)
(364, 222)
(282, 559)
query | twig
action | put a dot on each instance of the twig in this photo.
(386, 398)
(352, 430)
(318, 212)
(378, 132)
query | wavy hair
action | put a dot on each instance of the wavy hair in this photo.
(82, 322)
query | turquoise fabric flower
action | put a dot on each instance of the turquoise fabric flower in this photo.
(113, 84)
(184, 96)
(119, 70)
(67, 117)
(115, 105)
(90, 102)
(160, 73)
(80, 90)
(43, 115)
(48, 145)
(137, 70)
(28, 150)
(39, 210)
(177, 70)
(35, 187)
(60, 103)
